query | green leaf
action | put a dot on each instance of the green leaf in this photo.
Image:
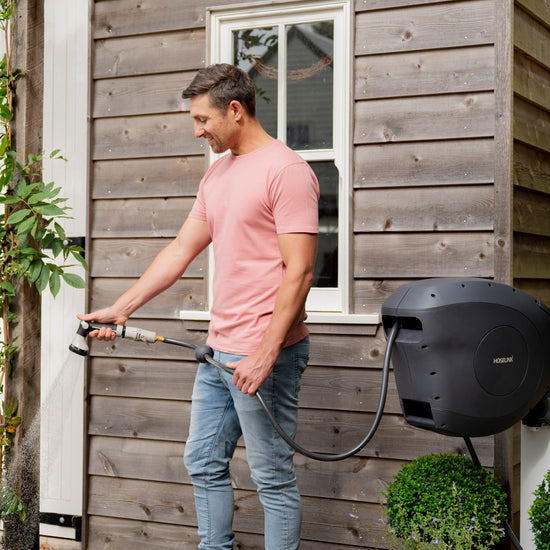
(20, 187)
(42, 282)
(47, 239)
(50, 210)
(26, 225)
(11, 503)
(8, 287)
(34, 270)
(9, 199)
(80, 258)
(37, 197)
(4, 144)
(29, 251)
(57, 247)
(74, 280)
(54, 153)
(5, 113)
(19, 215)
(60, 231)
(55, 283)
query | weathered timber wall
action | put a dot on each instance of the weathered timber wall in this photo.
(531, 202)
(423, 203)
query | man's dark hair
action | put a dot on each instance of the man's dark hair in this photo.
(225, 83)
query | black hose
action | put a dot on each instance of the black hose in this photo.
(206, 357)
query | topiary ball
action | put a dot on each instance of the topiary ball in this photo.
(448, 501)
(539, 514)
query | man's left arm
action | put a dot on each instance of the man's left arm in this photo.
(298, 253)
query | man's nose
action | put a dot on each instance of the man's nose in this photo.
(199, 130)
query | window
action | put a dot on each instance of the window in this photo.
(299, 58)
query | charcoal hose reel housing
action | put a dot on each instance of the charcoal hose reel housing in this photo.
(472, 356)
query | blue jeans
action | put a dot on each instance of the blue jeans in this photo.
(220, 413)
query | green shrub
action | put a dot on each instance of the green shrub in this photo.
(539, 514)
(445, 501)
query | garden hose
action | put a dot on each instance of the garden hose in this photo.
(204, 354)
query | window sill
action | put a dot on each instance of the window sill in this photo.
(314, 317)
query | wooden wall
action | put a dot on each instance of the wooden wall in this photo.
(422, 207)
(532, 147)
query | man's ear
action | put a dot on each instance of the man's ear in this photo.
(237, 110)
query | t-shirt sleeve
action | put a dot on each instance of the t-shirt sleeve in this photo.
(295, 195)
(198, 210)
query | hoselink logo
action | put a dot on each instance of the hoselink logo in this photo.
(503, 360)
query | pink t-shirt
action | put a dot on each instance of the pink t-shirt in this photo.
(247, 201)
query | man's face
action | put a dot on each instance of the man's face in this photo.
(220, 129)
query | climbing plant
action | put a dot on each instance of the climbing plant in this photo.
(33, 244)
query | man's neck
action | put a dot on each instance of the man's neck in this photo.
(253, 137)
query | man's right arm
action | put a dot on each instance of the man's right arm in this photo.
(168, 266)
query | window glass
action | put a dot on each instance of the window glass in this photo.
(326, 262)
(256, 51)
(309, 85)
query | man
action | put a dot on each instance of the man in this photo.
(258, 206)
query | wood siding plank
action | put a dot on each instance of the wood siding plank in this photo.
(358, 389)
(352, 479)
(371, 5)
(531, 256)
(320, 431)
(134, 218)
(424, 73)
(149, 177)
(531, 81)
(128, 96)
(531, 212)
(122, 18)
(539, 9)
(425, 27)
(145, 136)
(148, 379)
(370, 294)
(110, 533)
(185, 294)
(539, 288)
(452, 208)
(531, 168)
(131, 257)
(173, 503)
(329, 350)
(424, 163)
(532, 38)
(424, 118)
(531, 125)
(154, 53)
(418, 255)
(122, 534)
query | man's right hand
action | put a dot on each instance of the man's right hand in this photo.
(105, 315)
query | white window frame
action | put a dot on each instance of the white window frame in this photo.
(221, 26)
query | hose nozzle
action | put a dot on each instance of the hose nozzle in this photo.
(79, 344)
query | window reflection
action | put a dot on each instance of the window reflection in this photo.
(326, 262)
(256, 51)
(309, 85)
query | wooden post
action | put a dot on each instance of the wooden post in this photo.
(23, 459)
(507, 444)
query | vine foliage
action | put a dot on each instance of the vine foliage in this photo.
(33, 245)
